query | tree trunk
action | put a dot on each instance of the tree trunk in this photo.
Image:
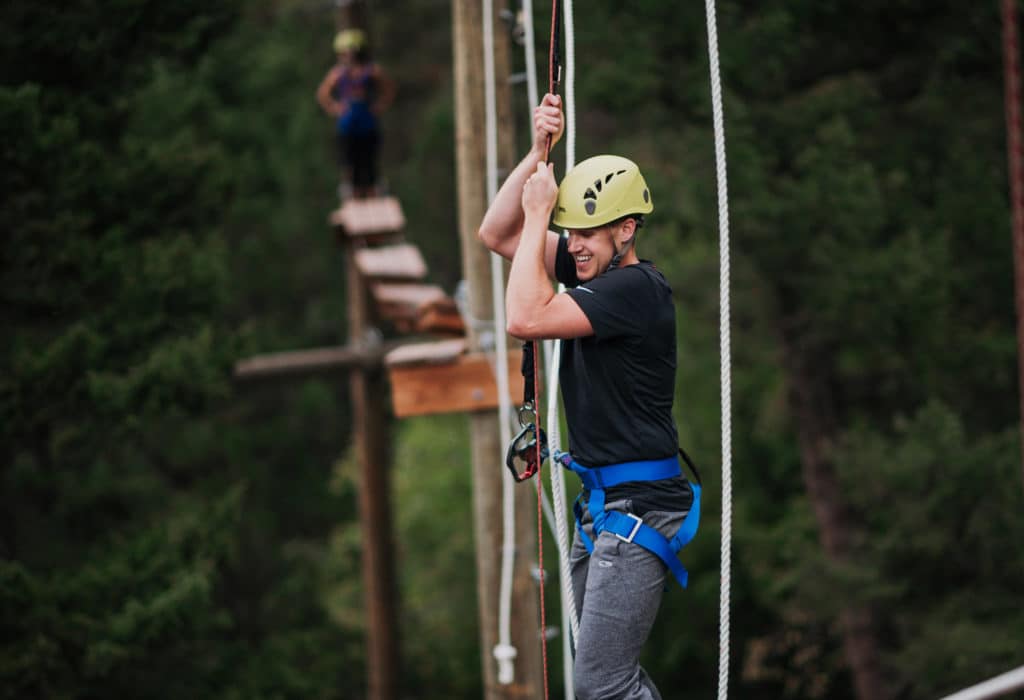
(370, 434)
(811, 402)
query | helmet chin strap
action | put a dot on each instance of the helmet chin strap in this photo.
(620, 252)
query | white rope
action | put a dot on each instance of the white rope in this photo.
(570, 83)
(532, 98)
(504, 652)
(724, 343)
(1011, 680)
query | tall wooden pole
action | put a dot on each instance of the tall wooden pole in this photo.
(370, 432)
(351, 14)
(1011, 81)
(485, 450)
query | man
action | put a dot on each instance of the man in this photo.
(617, 321)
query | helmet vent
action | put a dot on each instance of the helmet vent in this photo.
(597, 185)
(647, 196)
(589, 194)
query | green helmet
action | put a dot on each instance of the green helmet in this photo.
(600, 190)
(349, 40)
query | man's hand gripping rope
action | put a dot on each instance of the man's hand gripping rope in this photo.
(539, 193)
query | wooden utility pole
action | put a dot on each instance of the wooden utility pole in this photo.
(351, 14)
(370, 431)
(467, 42)
(1015, 157)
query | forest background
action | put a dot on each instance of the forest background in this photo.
(164, 184)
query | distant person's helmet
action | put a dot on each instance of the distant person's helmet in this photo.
(349, 40)
(600, 190)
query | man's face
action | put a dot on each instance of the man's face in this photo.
(592, 249)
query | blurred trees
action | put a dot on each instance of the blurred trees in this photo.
(163, 536)
(164, 184)
(869, 245)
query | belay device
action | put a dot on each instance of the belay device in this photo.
(524, 444)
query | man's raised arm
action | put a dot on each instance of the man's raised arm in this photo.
(502, 226)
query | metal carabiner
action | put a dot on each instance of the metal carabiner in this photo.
(528, 411)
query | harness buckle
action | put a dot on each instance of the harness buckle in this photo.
(636, 528)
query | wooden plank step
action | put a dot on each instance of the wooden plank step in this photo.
(363, 218)
(400, 302)
(441, 322)
(445, 304)
(436, 353)
(391, 262)
(440, 316)
(429, 378)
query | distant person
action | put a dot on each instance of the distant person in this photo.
(356, 91)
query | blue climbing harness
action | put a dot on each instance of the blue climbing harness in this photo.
(627, 526)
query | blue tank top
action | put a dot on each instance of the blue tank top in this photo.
(358, 92)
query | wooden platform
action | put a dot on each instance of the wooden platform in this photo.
(401, 302)
(440, 316)
(417, 354)
(432, 377)
(364, 218)
(440, 377)
(401, 261)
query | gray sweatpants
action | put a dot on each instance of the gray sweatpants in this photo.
(618, 590)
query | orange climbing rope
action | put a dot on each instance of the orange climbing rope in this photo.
(554, 78)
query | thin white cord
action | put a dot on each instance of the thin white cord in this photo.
(724, 342)
(570, 82)
(532, 98)
(504, 652)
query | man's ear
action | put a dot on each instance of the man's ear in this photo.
(625, 231)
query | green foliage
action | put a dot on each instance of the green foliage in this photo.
(947, 572)
(139, 606)
(162, 536)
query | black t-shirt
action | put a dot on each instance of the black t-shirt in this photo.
(618, 385)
